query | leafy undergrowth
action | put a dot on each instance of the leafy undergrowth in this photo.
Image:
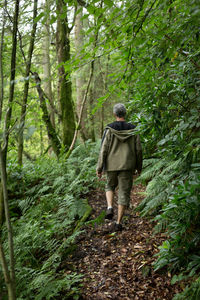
(48, 201)
(119, 265)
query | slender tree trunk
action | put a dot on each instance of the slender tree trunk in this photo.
(26, 85)
(47, 70)
(1, 206)
(3, 157)
(41, 141)
(1, 61)
(9, 284)
(104, 85)
(79, 76)
(4, 265)
(47, 67)
(9, 278)
(102, 120)
(64, 84)
(2, 97)
(81, 110)
(91, 119)
(91, 98)
(12, 78)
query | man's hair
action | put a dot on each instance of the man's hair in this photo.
(119, 110)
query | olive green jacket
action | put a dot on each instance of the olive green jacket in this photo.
(120, 150)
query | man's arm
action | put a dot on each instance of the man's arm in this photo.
(103, 153)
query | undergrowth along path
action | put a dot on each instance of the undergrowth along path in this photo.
(119, 265)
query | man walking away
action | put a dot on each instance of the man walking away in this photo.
(120, 156)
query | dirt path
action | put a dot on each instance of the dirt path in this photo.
(119, 266)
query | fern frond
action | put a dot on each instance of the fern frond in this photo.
(154, 203)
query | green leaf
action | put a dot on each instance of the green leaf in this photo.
(109, 3)
(39, 17)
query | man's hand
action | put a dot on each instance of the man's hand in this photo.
(99, 174)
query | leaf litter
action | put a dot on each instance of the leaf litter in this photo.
(118, 265)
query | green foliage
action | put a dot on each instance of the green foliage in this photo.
(51, 198)
(167, 85)
(146, 55)
(181, 215)
(173, 197)
(191, 292)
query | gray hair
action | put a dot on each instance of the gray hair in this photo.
(119, 110)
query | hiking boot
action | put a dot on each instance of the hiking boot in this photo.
(117, 227)
(109, 214)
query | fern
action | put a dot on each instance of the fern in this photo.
(191, 292)
(152, 167)
(163, 173)
(173, 198)
(51, 205)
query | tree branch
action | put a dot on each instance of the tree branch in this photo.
(81, 111)
(19, 35)
(74, 19)
(144, 18)
(82, 3)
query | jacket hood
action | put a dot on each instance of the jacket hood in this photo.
(122, 135)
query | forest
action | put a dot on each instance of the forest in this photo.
(63, 65)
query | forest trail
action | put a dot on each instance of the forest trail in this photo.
(119, 265)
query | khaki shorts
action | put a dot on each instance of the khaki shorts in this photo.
(124, 181)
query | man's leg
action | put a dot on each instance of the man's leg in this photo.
(110, 187)
(121, 209)
(125, 179)
(109, 211)
(109, 198)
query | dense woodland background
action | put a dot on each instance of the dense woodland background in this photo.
(63, 64)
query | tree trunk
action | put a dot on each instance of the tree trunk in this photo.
(26, 85)
(47, 67)
(41, 140)
(10, 280)
(102, 121)
(1, 206)
(64, 84)
(50, 129)
(1, 61)
(79, 76)
(81, 110)
(91, 98)
(12, 77)
(91, 119)
(3, 158)
(104, 89)
(2, 97)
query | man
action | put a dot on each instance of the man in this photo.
(120, 156)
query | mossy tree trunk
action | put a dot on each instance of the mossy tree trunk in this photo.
(52, 135)
(64, 82)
